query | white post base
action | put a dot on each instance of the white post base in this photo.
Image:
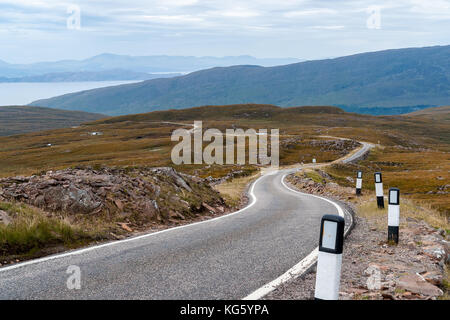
(328, 276)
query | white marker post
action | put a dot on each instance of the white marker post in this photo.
(393, 214)
(358, 182)
(331, 243)
(379, 190)
(314, 160)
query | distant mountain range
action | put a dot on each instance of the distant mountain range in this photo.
(108, 75)
(138, 64)
(409, 79)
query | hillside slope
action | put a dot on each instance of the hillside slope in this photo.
(392, 78)
(439, 113)
(144, 139)
(23, 119)
(414, 155)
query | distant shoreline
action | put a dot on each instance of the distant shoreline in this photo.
(23, 93)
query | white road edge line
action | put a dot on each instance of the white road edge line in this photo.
(304, 265)
(108, 244)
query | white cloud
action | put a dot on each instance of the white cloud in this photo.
(328, 27)
(179, 19)
(231, 26)
(431, 9)
(310, 12)
(237, 13)
(178, 3)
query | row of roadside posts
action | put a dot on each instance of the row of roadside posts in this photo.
(331, 242)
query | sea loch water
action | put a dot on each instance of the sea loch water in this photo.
(23, 93)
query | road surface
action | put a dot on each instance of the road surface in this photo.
(224, 258)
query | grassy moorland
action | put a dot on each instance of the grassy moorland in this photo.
(23, 119)
(410, 143)
(420, 174)
(412, 152)
(418, 163)
(439, 114)
(144, 139)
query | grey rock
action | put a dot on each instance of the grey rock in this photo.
(5, 218)
(416, 284)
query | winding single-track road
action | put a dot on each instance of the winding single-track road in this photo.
(229, 257)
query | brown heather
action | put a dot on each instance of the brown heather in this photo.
(412, 152)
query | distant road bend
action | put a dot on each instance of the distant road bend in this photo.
(228, 257)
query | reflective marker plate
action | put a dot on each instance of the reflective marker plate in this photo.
(393, 196)
(329, 235)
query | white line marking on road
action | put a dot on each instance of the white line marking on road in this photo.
(292, 273)
(304, 265)
(338, 207)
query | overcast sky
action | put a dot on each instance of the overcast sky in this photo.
(37, 30)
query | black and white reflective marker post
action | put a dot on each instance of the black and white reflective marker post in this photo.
(358, 182)
(328, 276)
(393, 214)
(379, 190)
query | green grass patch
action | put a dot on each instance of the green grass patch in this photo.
(315, 176)
(32, 230)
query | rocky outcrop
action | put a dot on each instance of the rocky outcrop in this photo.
(308, 185)
(140, 194)
(339, 146)
(343, 147)
(417, 284)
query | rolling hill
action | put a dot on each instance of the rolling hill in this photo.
(144, 139)
(414, 153)
(437, 114)
(24, 119)
(389, 79)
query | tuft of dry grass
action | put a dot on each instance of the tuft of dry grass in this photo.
(446, 284)
(367, 208)
(233, 190)
(32, 231)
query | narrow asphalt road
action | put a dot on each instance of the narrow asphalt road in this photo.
(359, 153)
(224, 258)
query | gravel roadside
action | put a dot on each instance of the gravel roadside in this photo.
(373, 269)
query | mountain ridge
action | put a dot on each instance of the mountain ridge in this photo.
(146, 64)
(389, 78)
